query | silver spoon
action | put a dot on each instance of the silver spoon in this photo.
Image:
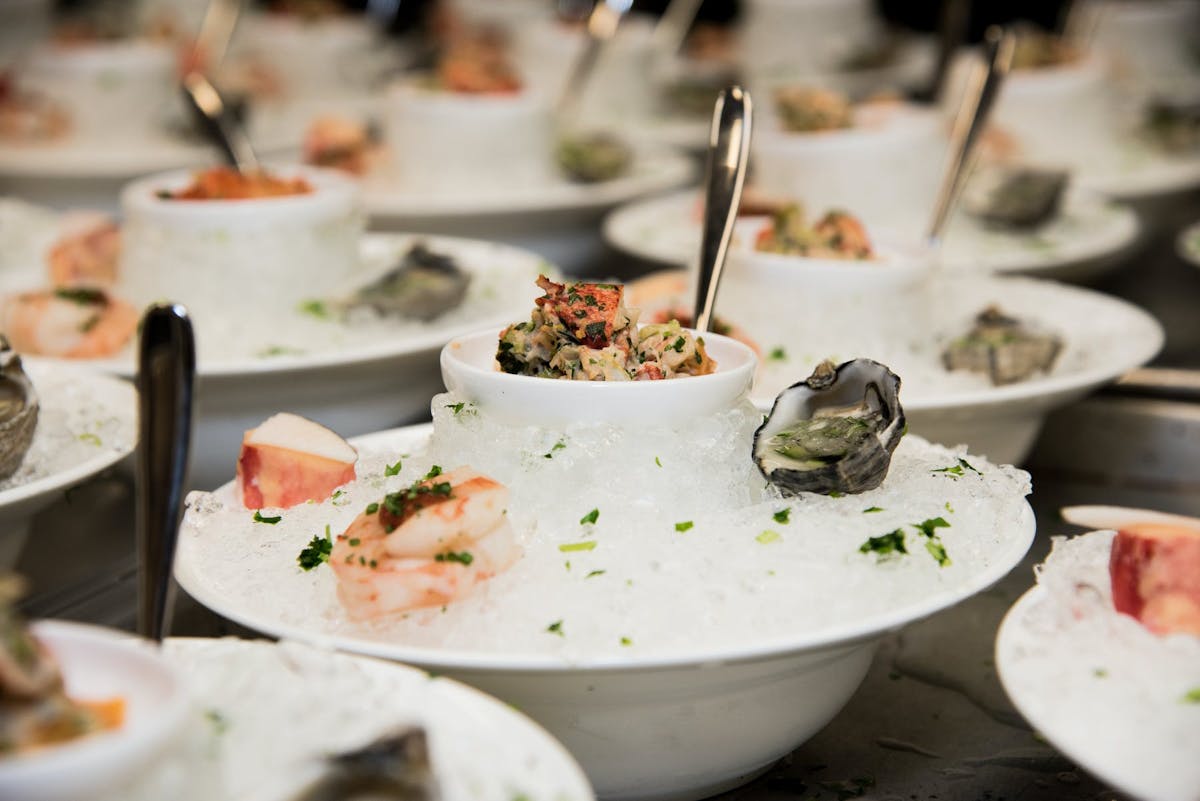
(978, 100)
(601, 27)
(728, 152)
(952, 32)
(220, 19)
(166, 375)
(672, 29)
(229, 135)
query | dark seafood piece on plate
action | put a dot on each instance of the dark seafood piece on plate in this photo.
(833, 432)
(1018, 197)
(1004, 348)
(395, 766)
(590, 158)
(423, 286)
(18, 411)
(1174, 125)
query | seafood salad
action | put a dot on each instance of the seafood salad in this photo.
(35, 711)
(804, 109)
(226, 183)
(836, 235)
(583, 331)
(477, 65)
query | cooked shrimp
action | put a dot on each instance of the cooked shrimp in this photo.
(844, 235)
(426, 545)
(87, 253)
(68, 323)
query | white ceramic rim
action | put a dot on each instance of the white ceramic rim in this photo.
(431, 341)
(593, 400)
(1012, 622)
(333, 194)
(523, 102)
(654, 170)
(155, 731)
(101, 56)
(874, 127)
(1053, 80)
(64, 479)
(493, 706)
(871, 627)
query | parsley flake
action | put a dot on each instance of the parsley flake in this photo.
(1192, 696)
(626, 641)
(768, 536)
(258, 518)
(462, 557)
(90, 439)
(684, 526)
(558, 446)
(393, 469)
(371, 509)
(556, 628)
(777, 354)
(315, 308)
(587, 545)
(885, 544)
(783, 515)
(590, 517)
(937, 551)
(872, 510)
(930, 526)
(316, 553)
(595, 573)
(434, 472)
(657, 462)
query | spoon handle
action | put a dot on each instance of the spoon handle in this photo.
(220, 19)
(952, 32)
(226, 132)
(166, 375)
(972, 117)
(728, 152)
(672, 29)
(601, 27)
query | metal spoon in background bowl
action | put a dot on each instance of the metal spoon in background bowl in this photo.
(728, 152)
(983, 87)
(952, 33)
(219, 121)
(166, 376)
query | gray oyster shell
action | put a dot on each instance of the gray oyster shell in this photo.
(1003, 348)
(590, 158)
(1016, 197)
(833, 432)
(18, 411)
(423, 286)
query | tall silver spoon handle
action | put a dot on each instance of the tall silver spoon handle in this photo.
(982, 89)
(952, 32)
(212, 42)
(601, 27)
(728, 152)
(225, 131)
(166, 375)
(672, 29)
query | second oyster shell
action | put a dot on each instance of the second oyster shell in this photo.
(18, 411)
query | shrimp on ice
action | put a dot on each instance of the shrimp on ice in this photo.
(87, 253)
(71, 323)
(426, 545)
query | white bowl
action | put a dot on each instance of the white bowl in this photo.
(667, 726)
(239, 256)
(446, 141)
(110, 89)
(885, 168)
(1150, 45)
(313, 58)
(98, 664)
(469, 369)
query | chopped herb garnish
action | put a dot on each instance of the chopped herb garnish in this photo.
(317, 552)
(219, 722)
(594, 330)
(872, 510)
(678, 344)
(279, 350)
(885, 544)
(587, 545)
(393, 469)
(90, 439)
(957, 471)
(684, 526)
(354, 542)
(434, 472)
(949, 508)
(767, 536)
(1192, 696)
(558, 446)
(837, 494)
(783, 515)
(372, 508)
(937, 551)
(258, 518)
(456, 407)
(929, 527)
(594, 573)
(462, 557)
(590, 517)
(626, 641)
(1100, 673)
(777, 354)
(556, 628)
(315, 308)
(81, 295)
(657, 462)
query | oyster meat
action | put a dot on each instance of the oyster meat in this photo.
(590, 158)
(18, 411)
(1174, 125)
(833, 432)
(1016, 197)
(1004, 348)
(424, 286)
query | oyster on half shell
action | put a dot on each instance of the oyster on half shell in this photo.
(833, 432)
(423, 286)
(18, 411)
(1003, 348)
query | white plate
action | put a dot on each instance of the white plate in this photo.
(1080, 244)
(246, 694)
(668, 725)
(357, 385)
(1140, 171)
(100, 664)
(86, 424)
(1089, 680)
(653, 170)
